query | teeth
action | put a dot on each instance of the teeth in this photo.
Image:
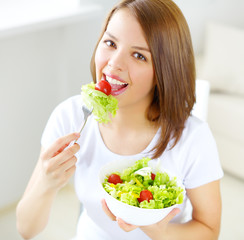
(113, 81)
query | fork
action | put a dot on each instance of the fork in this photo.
(86, 112)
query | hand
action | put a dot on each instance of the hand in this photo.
(159, 229)
(156, 229)
(58, 162)
(125, 226)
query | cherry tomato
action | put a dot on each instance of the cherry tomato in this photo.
(145, 195)
(114, 178)
(103, 86)
(153, 176)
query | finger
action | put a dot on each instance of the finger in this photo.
(66, 154)
(107, 211)
(170, 216)
(70, 171)
(68, 164)
(61, 149)
(125, 226)
(59, 145)
(56, 163)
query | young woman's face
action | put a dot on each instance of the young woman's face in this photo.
(123, 58)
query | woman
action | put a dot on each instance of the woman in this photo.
(145, 52)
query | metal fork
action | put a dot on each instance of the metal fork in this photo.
(86, 112)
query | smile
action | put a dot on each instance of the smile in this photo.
(117, 86)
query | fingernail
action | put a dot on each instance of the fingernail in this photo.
(77, 134)
(177, 210)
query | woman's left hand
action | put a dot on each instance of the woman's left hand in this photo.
(122, 224)
(150, 230)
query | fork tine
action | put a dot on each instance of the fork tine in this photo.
(86, 111)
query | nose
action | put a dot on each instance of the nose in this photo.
(117, 60)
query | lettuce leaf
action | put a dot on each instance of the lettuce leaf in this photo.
(136, 178)
(103, 106)
(126, 174)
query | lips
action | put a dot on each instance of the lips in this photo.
(118, 86)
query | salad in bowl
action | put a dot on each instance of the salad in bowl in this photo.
(139, 191)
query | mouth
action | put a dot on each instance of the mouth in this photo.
(117, 85)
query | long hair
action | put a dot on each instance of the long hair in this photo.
(167, 34)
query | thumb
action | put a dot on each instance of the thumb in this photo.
(170, 216)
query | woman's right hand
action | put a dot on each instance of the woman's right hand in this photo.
(58, 162)
(53, 170)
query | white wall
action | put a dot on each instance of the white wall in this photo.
(199, 12)
(38, 69)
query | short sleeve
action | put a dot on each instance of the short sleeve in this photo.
(203, 164)
(63, 120)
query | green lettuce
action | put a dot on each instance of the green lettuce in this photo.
(103, 106)
(136, 178)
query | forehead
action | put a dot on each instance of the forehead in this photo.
(125, 25)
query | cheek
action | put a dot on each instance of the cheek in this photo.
(97, 59)
(100, 61)
(145, 79)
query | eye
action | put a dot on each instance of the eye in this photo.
(139, 56)
(110, 43)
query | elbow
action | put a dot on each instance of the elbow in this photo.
(23, 231)
(24, 235)
(22, 226)
(29, 222)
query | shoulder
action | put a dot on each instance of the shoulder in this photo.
(194, 124)
(201, 160)
(196, 139)
(65, 118)
(196, 130)
(70, 104)
(195, 156)
(70, 108)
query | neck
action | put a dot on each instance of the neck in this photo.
(130, 118)
(129, 132)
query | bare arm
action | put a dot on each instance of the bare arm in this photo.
(53, 170)
(205, 225)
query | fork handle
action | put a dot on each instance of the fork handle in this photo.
(82, 128)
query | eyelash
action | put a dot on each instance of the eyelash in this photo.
(137, 55)
(109, 43)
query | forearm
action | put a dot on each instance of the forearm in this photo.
(188, 231)
(33, 211)
(53, 170)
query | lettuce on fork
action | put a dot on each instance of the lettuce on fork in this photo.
(103, 106)
(137, 178)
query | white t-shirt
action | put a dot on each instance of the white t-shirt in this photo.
(194, 160)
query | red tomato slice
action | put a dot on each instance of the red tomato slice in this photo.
(114, 178)
(153, 176)
(145, 195)
(103, 86)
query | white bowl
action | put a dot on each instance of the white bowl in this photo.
(130, 214)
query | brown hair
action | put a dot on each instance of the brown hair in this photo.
(168, 37)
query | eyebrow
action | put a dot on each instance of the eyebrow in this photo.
(135, 47)
(141, 48)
